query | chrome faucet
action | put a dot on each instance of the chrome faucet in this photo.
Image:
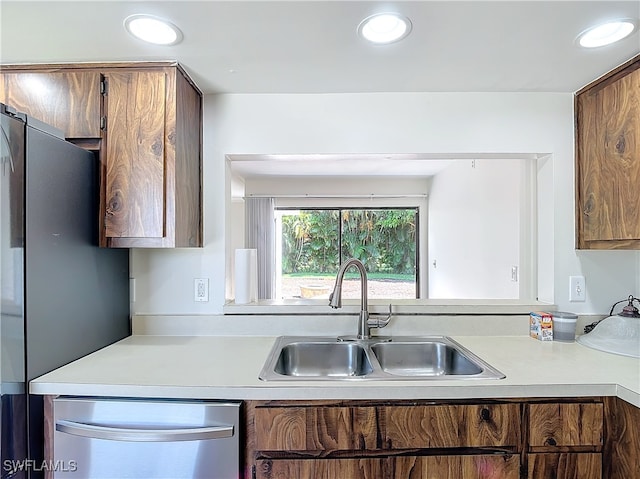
(335, 299)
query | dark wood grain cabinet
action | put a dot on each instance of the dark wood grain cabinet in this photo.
(479, 466)
(608, 160)
(564, 466)
(67, 100)
(565, 440)
(144, 121)
(451, 426)
(500, 439)
(622, 439)
(383, 440)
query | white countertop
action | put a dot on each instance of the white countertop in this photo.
(227, 367)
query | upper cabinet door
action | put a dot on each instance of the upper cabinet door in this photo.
(608, 161)
(135, 154)
(69, 101)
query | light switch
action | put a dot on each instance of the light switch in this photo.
(577, 289)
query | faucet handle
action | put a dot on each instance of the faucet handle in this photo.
(379, 322)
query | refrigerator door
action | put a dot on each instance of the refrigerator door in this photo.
(76, 294)
(13, 399)
(62, 296)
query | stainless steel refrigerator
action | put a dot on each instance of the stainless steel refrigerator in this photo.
(62, 296)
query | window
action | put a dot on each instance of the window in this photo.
(478, 231)
(312, 243)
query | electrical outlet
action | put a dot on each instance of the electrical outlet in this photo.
(514, 274)
(201, 290)
(577, 289)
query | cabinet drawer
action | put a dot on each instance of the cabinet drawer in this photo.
(407, 467)
(315, 428)
(486, 425)
(565, 466)
(480, 466)
(320, 469)
(561, 425)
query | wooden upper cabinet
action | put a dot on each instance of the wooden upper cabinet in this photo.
(145, 122)
(69, 101)
(608, 161)
(152, 160)
(135, 155)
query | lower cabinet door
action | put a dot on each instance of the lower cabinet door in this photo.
(370, 468)
(565, 466)
(497, 466)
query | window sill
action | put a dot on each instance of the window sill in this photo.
(408, 307)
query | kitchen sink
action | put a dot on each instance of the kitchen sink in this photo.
(319, 359)
(401, 358)
(432, 358)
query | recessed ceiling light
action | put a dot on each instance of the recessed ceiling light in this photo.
(384, 28)
(153, 29)
(606, 33)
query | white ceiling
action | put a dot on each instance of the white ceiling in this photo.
(312, 47)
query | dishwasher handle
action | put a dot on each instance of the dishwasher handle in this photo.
(143, 435)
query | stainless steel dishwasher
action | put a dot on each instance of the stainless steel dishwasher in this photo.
(119, 438)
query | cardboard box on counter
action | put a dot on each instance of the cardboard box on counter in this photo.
(541, 326)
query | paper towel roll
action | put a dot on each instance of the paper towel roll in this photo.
(246, 277)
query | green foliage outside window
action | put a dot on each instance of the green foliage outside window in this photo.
(384, 240)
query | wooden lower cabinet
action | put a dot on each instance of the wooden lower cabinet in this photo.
(384, 440)
(320, 468)
(565, 424)
(482, 439)
(569, 465)
(496, 466)
(450, 426)
(406, 467)
(565, 440)
(622, 440)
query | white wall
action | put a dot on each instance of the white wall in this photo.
(301, 186)
(384, 123)
(474, 229)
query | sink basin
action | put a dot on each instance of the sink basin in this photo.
(313, 359)
(433, 358)
(402, 358)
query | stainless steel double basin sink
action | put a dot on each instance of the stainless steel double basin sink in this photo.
(417, 358)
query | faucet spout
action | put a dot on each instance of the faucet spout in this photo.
(335, 298)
